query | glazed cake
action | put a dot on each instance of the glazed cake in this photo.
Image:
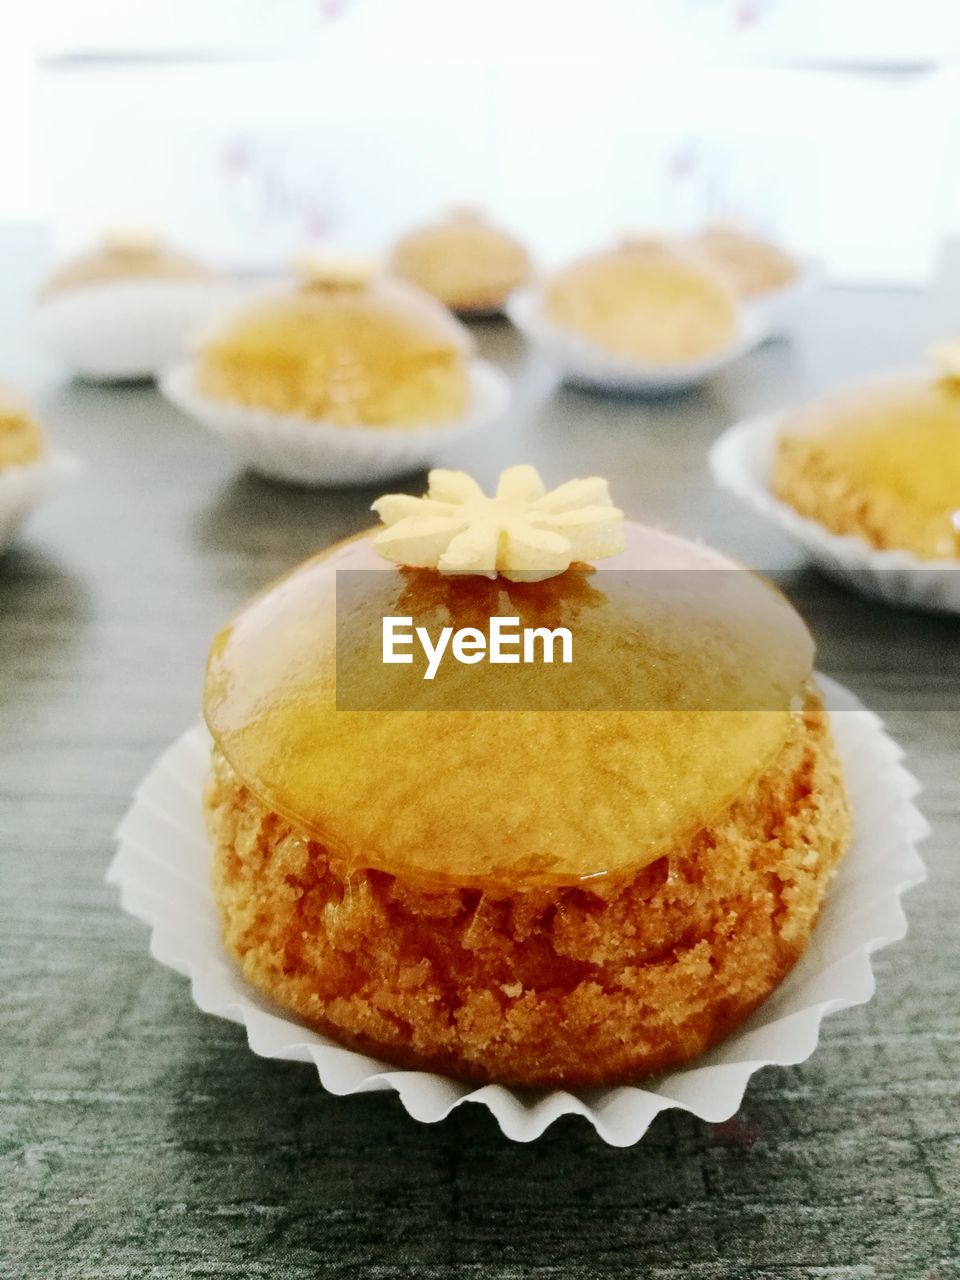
(464, 260)
(754, 267)
(471, 877)
(344, 347)
(646, 303)
(880, 462)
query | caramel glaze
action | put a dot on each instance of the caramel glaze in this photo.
(881, 461)
(500, 788)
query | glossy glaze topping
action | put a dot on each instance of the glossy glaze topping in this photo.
(657, 307)
(345, 350)
(885, 457)
(512, 797)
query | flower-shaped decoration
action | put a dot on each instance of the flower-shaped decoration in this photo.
(524, 533)
(133, 242)
(335, 271)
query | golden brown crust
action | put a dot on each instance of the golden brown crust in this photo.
(661, 307)
(576, 986)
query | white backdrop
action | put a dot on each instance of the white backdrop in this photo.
(250, 128)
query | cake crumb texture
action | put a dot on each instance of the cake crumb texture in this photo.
(583, 985)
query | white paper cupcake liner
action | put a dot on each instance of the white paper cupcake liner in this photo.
(128, 329)
(22, 488)
(293, 448)
(776, 312)
(741, 462)
(162, 867)
(583, 363)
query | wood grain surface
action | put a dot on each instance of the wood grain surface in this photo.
(141, 1138)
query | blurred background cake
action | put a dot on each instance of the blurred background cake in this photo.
(464, 260)
(344, 346)
(880, 461)
(645, 301)
(753, 266)
(125, 255)
(126, 309)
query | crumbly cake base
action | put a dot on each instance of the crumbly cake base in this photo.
(568, 986)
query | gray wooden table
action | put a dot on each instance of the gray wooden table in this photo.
(141, 1138)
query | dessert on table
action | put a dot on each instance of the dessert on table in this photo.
(29, 470)
(125, 255)
(345, 346)
(536, 873)
(345, 377)
(127, 308)
(466, 261)
(645, 302)
(880, 461)
(754, 267)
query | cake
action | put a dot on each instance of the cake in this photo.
(880, 462)
(21, 441)
(646, 302)
(753, 266)
(536, 874)
(124, 256)
(128, 308)
(345, 347)
(464, 260)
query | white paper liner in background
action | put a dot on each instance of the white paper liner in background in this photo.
(776, 312)
(585, 364)
(741, 462)
(128, 329)
(23, 488)
(162, 867)
(304, 451)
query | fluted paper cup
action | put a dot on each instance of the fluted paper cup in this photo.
(124, 330)
(310, 452)
(741, 462)
(162, 868)
(584, 363)
(22, 488)
(776, 311)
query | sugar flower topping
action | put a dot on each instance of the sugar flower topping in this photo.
(523, 533)
(132, 242)
(329, 270)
